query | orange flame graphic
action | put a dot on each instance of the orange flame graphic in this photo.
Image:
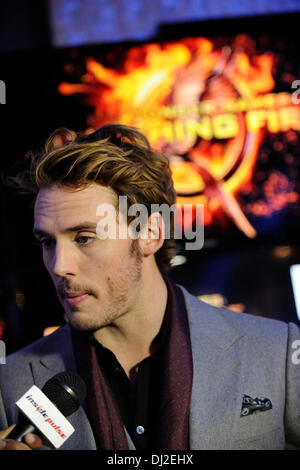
(196, 104)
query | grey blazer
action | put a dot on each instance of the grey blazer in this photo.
(234, 354)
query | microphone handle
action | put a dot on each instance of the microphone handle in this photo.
(23, 427)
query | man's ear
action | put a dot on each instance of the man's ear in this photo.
(152, 236)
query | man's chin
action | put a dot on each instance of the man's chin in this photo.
(81, 326)
(77, 321)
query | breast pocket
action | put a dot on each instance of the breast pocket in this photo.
(260, 430)
(270, 440)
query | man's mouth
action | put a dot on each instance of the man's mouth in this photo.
(75, 298)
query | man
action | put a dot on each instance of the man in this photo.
(163, 370)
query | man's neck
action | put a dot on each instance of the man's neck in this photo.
(131, 338)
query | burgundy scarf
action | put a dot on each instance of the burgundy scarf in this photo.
(177, 370)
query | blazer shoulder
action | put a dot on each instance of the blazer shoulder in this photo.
(58, 341)
(223, 322)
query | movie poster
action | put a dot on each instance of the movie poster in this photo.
(225, 112)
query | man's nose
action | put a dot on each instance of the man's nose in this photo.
(64, 262)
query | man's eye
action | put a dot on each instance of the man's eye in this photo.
(82, 240)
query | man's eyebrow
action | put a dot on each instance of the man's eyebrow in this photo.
(76, 228)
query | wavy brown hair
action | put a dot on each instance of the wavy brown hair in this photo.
(116, 156)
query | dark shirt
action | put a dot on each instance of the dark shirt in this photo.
(138, 400)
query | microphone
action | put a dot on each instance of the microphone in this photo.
(45, 410)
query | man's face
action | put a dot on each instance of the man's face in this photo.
(97, 281)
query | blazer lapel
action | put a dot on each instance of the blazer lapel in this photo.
(217, 390)
(50, 365)
(59, 359)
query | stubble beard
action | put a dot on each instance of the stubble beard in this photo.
(119, 297)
